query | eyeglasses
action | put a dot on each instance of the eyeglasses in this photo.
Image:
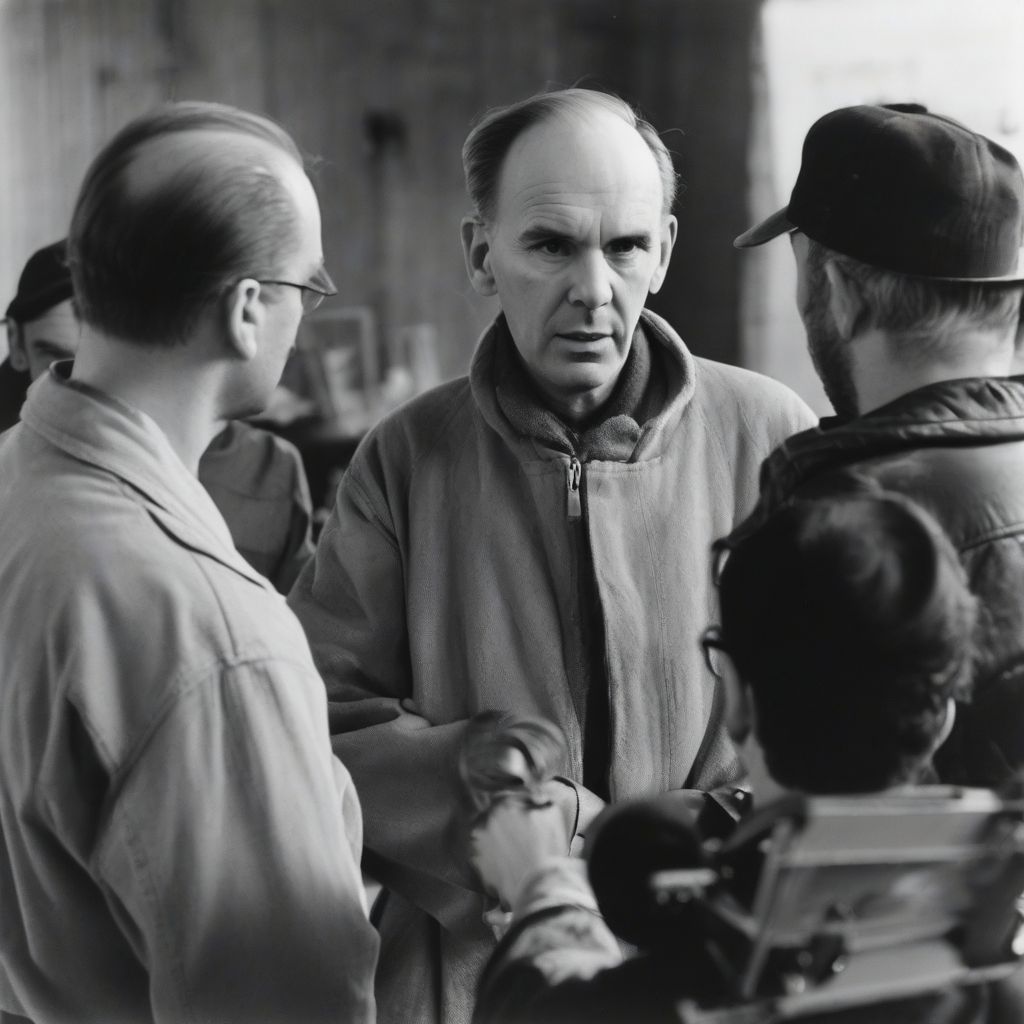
(313, 292)
(711, 641)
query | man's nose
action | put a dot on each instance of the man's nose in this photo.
(591, 284)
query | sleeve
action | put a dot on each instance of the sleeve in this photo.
(797, 417)
(232, 857)
(299, 548)
(556, 961)
(351, 602)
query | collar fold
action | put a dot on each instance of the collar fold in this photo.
(104, 432)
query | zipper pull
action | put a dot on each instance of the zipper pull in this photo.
(573, 477)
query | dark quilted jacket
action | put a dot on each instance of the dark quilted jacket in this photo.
(957, 447)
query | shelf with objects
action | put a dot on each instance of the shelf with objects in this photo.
(339, 382)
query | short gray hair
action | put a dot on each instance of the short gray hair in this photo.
(487, 145)
(928, 313)
(146, 261)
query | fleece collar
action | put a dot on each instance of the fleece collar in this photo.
(611, 436)
(654, 389)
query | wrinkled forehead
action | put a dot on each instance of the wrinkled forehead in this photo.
(596, 158)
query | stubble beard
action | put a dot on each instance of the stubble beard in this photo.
(830, 354)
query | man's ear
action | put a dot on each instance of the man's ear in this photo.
(18, 354)
(739, 704)
(476, 249)
(947, 725)
(244, 313)
(844, 299)
(668, 240)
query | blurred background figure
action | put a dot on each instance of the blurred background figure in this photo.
(255, 478)
(41, 327)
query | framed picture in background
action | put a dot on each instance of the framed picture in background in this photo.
(340, 352)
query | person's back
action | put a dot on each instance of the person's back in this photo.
(846, 632)
(140, 644)
(906, 227)
(177, 841)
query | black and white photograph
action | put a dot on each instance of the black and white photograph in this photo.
(511, 512)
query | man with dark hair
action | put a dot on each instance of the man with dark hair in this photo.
(520, 538)
(906, 228)
(256, 480)
(177, 841)
(845, 635)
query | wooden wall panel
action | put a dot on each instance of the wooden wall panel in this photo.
(380, 93)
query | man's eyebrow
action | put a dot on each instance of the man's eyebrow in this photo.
(640, 238)
(545, 232)
(542, 232)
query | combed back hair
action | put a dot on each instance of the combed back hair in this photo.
(487, 145)
(926, 314)
(850, 620)
(147, 257)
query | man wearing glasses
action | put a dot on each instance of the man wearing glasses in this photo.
(256, 479)
(177, 841)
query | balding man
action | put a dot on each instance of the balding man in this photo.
(177, 841)
(535, 536)
(256, 479)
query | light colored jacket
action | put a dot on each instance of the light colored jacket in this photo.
(177, 842)
(442, 587)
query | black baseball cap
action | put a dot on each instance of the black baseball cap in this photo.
(44, 283)
(906, 190)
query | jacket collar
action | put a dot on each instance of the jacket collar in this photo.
(970, 412)
(669, 359)
(104, 432)
(615, 429)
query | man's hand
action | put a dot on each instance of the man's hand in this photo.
(513, 841)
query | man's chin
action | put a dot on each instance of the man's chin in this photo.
(584, 394)
(582, 379)
(246, 408)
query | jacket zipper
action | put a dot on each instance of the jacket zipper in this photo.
(573, 476)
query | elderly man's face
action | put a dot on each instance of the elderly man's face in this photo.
(51, 336)
(579, 239)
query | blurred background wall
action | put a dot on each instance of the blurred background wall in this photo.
(381, 93)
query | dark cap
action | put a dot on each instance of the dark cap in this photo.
(44, 283)
(909, 191)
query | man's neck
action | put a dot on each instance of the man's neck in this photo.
(881, 376)
(163, 383)
(577, 409)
